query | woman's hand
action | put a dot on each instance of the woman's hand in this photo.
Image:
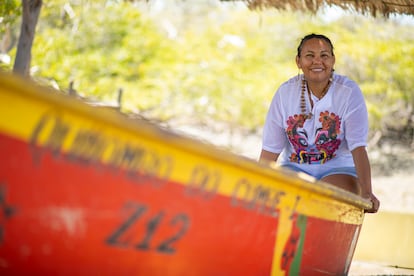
(375, 204)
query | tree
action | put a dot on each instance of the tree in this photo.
(31, 11)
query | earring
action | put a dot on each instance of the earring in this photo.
(332, 73)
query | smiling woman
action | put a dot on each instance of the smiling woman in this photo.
(316, 59)
(317, 123)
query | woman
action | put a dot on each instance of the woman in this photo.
(317, 123)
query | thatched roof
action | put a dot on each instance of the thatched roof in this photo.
(373, 7)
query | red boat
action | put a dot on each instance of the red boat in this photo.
(88, 191)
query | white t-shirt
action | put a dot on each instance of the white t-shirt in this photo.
(339, 125)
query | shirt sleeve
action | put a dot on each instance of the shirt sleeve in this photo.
(274, 136)
(356, 119)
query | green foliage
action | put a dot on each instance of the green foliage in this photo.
(100, 51)
(378, 57)
(214, 62)
(10, 11)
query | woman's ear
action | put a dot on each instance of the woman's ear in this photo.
(297, 63)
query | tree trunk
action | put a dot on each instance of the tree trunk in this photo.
(31, 11)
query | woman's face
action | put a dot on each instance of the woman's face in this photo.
(316, 60)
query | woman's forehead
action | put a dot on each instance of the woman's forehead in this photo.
(316, 45)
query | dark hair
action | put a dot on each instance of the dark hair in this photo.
(318, 36)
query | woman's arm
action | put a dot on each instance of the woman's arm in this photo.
(363, 170)
(267, 156)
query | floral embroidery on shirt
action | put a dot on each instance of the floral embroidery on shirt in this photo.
(319, 147)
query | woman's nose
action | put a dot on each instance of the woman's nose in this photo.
(317, 59)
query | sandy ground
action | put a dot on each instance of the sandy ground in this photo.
(396, 193)
(363, 268)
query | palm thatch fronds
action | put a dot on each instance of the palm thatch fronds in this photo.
(373, 7)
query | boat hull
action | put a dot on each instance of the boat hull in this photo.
(87, 191)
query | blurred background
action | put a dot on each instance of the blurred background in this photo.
(209, 68)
